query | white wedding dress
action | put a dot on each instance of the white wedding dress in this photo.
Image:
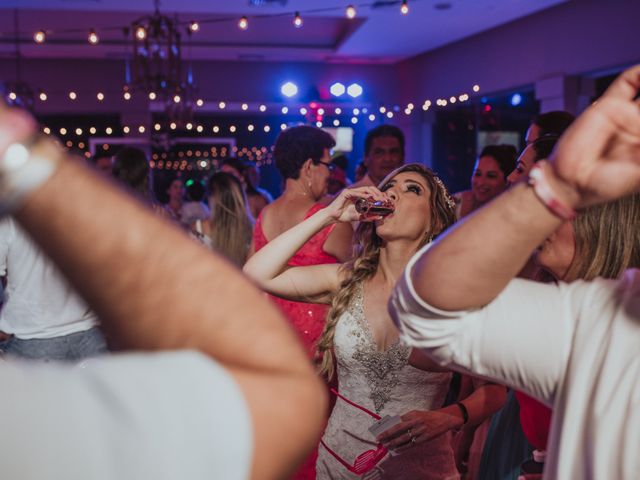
(385, 383)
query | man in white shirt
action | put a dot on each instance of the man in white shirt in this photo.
(574, 346)
(215, 384)
(42, 317)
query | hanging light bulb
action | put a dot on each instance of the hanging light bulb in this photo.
(39, 36)
(194, 26)
(243, 24)
(404, 8)
(350, 12)
(297, 20)
(93, 37)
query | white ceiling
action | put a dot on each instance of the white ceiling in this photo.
(377, 35)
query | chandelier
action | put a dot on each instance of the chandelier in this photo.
(157, 65)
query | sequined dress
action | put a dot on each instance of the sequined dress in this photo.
(385, 383)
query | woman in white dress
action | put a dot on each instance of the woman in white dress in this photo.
(378, 376)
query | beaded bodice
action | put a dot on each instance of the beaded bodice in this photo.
(383, 378)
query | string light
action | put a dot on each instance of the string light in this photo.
(222, 105)
(263, 108)
(126, 129)
(141, 129)
(250, 127)
(127, 95)
(73, 95)
(319, 124)
(389, 114)
(354, 120)
(350, 12)
(108, 130)
(215, 129)
(157, 127)
(372, 117)
(303, 111)
(452, 99)
(39, 37)
(173, 125)
(476, 88)
(78, 131)
(267, 128)
(141, 33)
(93, 37)
(176, 99)
(12, 95)
(285, 110)
(243, 24)
(92, 130)
(152, 95)
(199, 128)
(244, 106)
(336, 123)
(338, 111)
(404, 8)
(189, 126)
(199, 102)
(43, 96)
(297, 20)
(63, 131)
(232, 128)
(46, 130)
(100, 96)
(194, 26)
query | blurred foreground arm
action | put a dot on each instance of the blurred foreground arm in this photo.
(596, 160)
(154, 289)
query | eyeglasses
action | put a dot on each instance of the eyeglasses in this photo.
(329, 165)
(366, 461)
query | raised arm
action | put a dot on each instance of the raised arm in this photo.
(316, 283)
(149, 300)
(596, 160)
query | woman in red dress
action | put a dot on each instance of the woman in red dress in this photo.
(302, 158)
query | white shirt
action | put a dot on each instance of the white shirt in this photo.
(575, 347)
(38, 301)
(162, 416)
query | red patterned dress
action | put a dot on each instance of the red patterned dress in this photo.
(307, 318)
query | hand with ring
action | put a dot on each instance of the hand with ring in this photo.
(417, 426)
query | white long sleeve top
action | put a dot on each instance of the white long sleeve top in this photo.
(575, 347)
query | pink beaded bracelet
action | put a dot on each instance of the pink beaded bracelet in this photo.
(546, 195)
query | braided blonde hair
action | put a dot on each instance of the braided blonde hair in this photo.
(366, 256)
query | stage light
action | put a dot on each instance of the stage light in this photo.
(289, 89)
(337, 89)
(516, 99)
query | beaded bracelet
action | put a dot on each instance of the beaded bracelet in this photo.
(546, 195)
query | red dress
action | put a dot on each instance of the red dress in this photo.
(308, 319)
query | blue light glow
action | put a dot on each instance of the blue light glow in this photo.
(516, 99)
(337, 89)
(289, 89)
